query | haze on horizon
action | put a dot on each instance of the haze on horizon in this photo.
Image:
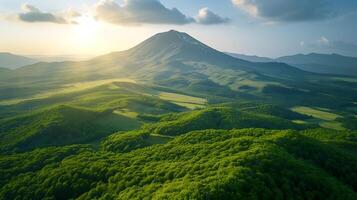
(94, 27)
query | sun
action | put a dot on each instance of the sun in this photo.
(86, 25)
(85, 31)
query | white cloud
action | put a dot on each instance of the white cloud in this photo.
(32, 14)
(134, 12)
(323, 41)
(206, 16)
(139, 12)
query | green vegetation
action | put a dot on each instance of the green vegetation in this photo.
(16, 164)
(324, 117)
(316, 113)
(184, 100)
(210, 164)
(219, 118)
(349, 122)
(60, 126)
(183, 121)
(129, 141)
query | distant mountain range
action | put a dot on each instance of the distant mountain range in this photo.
(171, 46)
(60, 58)
(319, 63)
(11, 61)
(251, 58)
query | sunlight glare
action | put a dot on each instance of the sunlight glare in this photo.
(86, 30)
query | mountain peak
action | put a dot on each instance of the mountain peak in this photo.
(174, 31)
(176, 36)
(173, 46)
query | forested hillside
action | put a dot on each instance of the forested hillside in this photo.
(208, 164)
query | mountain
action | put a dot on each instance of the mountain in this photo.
(323, 63)
(170, 59)
(318, 63)
(184, 53)
(11, 61)
(178, 61)
(251, 58)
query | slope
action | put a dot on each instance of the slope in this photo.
(60, 125)
(215, 117)
(11, 61)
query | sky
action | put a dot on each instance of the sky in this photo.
(255, 27)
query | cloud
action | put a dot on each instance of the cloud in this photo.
(286, 10)
(139, 12)
(206, 16)
(134, 12)
(323, 41)
(32, 14)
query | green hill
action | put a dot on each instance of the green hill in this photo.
(61, 125)
(220, 118)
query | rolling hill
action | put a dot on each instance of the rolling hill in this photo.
(219, 118)
(11, 61)
(61, 125)
(223, 117)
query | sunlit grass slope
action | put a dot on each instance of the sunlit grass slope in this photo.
(114, 95)
(324, 117)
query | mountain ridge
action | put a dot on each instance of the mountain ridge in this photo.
(312, 62)
(12, 61)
